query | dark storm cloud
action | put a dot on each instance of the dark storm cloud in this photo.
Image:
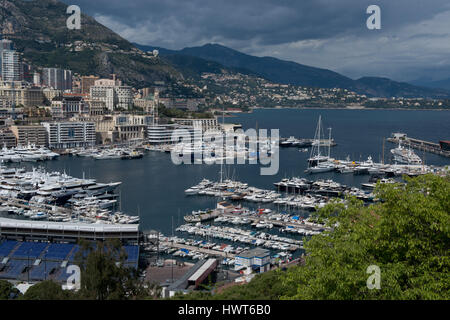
(268, 21)
(274, 27)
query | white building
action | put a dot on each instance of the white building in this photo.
(57, 78)
(114, 97)
(11, 68)
(70, 134)
(257, 259)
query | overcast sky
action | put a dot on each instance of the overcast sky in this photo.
(414, 40)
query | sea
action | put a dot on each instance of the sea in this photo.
(153, 187)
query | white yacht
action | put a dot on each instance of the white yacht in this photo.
(403, 155)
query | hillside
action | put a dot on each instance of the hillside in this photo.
(38, 29)
(288, 72)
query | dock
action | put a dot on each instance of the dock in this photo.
(418, 144)
(198, 249)
(20, 203)
(277, 222)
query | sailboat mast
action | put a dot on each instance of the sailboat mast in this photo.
(329, 144)
(318, 137)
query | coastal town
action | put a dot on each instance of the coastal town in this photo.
(97, 138)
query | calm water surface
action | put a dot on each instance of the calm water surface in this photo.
(154, 187)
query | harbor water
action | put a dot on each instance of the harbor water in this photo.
(153, 186)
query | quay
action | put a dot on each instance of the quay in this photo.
(198, 249)
(35, 206)
(276, 222)
(418, 144)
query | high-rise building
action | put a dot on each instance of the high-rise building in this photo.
(37, 79)
(5, 44)
(57, 78)
(11, 67)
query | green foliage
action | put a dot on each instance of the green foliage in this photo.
(104, 276)
(7, 290)
(406, 235)
(177, 113)
(47, 290)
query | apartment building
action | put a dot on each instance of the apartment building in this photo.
(70, 134)
(33, 134)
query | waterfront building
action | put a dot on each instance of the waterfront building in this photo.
(7, 138)
(70, 134)
(159, 134)
(57, 78)
(204, 124)
(32, 134)
(67, 232)
(132, 127)
(257, 259)
(122, 128)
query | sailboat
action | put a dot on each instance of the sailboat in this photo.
(318, 162)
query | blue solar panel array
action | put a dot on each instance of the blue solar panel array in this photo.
(58, 251)
(39, 272)
(6, 247)
(24, 254)
(14, 269)
(132, 253)
(29, 250)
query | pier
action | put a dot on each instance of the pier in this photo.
(51, 209)
(278, 223)
(418, 144)
(198, 249)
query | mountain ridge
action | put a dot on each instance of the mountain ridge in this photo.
(289, 72)
(38, 30)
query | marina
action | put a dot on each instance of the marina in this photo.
(431, 147)
(55, 196)
(155, 187)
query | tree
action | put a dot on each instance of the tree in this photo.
(47, 290)
(7, 290)
(104, 276)
(406, 236)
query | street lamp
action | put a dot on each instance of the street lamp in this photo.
(28, 268)
(45, 264)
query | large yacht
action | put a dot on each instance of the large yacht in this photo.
(403, 155)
